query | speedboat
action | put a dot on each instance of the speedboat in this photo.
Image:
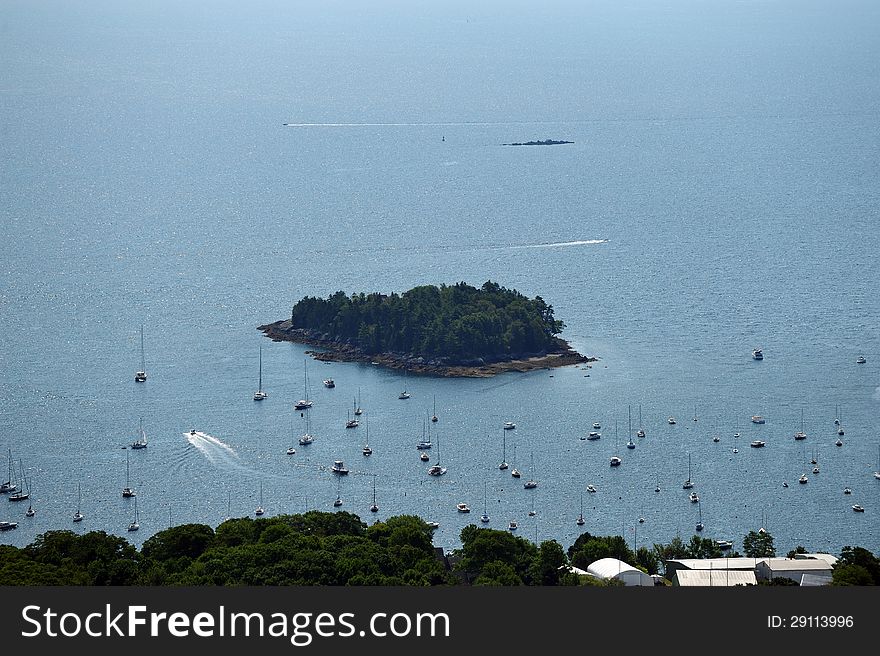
(758, 419)
(594, 435)
(509, 425)
(596, 425)
(403, 395)
(339, 467)
(329, 383)
(693, 497)
(861, 360)
(462, 508)
(433, 525)
(784, 484)
(757, 444)
(590, 488)
(858, 508)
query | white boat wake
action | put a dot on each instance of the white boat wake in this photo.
(580, 242)
(216, 451)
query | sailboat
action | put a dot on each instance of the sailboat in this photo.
(140, 375)
(135, 525)
(687, 485)
(78, 516)
(338, 500)
(514, 472)
(425, 442)
(259, 395)
(801, 435)
(127, 491)
(367, 451)
(404, 394)
(699, 526)
(23, 493)
(141, 441)
(580, 520)
(9, 486)
(259, 509)
(641, 431)
(375, 506)
(307, 437)
(877, 473)
(436, 469)
(485, 516)
(304, 403)
(357, 410)
(349, 422)
(434, 416)
(615, 460)
(503, 465)
(531, 484)
(630, 444)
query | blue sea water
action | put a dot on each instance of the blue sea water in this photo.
(721, 193)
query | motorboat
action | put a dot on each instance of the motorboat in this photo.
(424, 457)
(591, 488)
(816, 469)
(596, 425)
(367, 451)
(302, 404)
(436, 470)
(403, 395)
(803, 479)
(670, 420)
(615, 461)
(784, 484)
(758, 419)
(511, 525)
(594, 435)
(509, 425)
(530, 484)
(515, 472)
(290, 450)
(861, 360)
(758, 354)
(757, 444)
(716, 439)
(306, 438)
(724, 544)
(462, 508)
(329, 383)
(856, 507)
(8, 526)
(640, 433)
(339, 467)
(846, 490)
(693, 497)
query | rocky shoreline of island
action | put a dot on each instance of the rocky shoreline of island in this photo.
(334, 351)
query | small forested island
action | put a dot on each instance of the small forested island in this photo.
(450, 330)
(545, 142)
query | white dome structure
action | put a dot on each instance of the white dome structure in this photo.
(612, 568)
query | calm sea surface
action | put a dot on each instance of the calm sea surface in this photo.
(722, 193)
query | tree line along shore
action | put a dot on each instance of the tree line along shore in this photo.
(337, 548)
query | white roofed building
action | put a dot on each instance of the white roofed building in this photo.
(612, 568)
(714, 578)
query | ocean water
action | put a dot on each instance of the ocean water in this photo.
(721, 194)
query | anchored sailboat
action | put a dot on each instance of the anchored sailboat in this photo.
(135, 524)
(259, 395)
(127, 491)
(140, 375)
(304, 403)
(78, 516)
(9, 485)
(141, 441)
(485, 516)
(259, 509)
(375, 506)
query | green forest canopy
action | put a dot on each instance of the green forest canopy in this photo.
(456, 324)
